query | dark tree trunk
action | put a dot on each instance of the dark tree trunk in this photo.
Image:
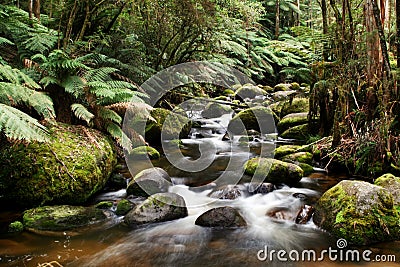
(324, 26)
(277, 21)
(398, 32)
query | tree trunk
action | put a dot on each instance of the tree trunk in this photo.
(70, 23)
(85, 22)
(398, 32)
(277, 22)
(374, 72)
(36, 9)
(324, 27)
(382, 39)
(30, 9)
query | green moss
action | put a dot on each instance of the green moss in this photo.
(359, 212)
(292, 120)
(295, 86)
(284, 150)
(392, 184)
(268, 88)
(282, 87)
(15, 227)
(172, 125)
(297, 105)
(299, 157)
(145, 151)
(104, 205)
(214, 110)
(61, 218)
(258, 118)
(307, 169)
(299, 132)
(228, 92)
(273, 171)
(74, 165)
(123, 207)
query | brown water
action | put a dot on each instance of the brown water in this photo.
(181, 242)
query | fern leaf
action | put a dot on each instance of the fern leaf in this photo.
(109, 114)
(43, 105)
(82, 113)
(116, 132)
(17, 125)
(73, 85)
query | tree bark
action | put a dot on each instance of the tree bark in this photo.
(70, 23)
(30, 9)
(374, 71)
(277, 22)
(398, 32)
(324, 27)
(382, 39)
(36, 9)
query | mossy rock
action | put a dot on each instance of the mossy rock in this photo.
(267, 88)
(299, 157)
(148, 182)
(392, 184)
(283, 95)
(307, 168)
(295, 86)
(299, 132)
(61, 218)
(359, 212)
(284, 150)
(297, 105)
(215, 110)
(103, 205)
(259, 118)
(292, 120)
(273, 171)
(228, 92)
(250, 91)
(123, 207)
(74, 165)
(160, 207)
(142, 152)
(15, 227)
(172, 125)
(282, 87)
(221, 98)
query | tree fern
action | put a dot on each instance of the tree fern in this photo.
(81, 112)
(17, 125)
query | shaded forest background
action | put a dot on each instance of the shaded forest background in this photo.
(81, 62)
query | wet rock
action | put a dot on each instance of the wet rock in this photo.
(359, 212)
(229, 192)
(225, 217)
(258, 118)
(104, 205)
(300, 132)
(297, 105)
(305, 214)
(148, 182)
(123, 207)
(143, 152)
(392, 184)
(263, 188)
(307, 168)
(292, 120)
(173, 126)
(299, 157)
(281, 213)
(273, 171)
(117, 181)
(15, 227)
(282, 87)
(215, 110)
(159, 207)
(249, 91)
(73, 166)
(300, 196)
(284, 150)
(226, 137)
(228, 92)
(283, 95)
(61, 218)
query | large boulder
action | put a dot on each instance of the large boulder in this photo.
(229, 192)
(300, 132)
(215, 110)
(142, 152)
(148, 182)
(299, 157)
(292, 120)
(284, 150)
(296, 105)
(258, 118)
(273, 171)
(392, 184)
(69, 169)
(250, 91)
(359, 212)
(225, 217)
(171, 124)
(61, 218)
(160, 207)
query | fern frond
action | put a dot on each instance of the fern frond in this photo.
(73, 85)
(100, 74)
(109, 114)
(17, 125)
(116, 132)
(81, 112)
(43, 104)
(5, 41)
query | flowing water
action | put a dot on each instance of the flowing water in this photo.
(181, 242)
